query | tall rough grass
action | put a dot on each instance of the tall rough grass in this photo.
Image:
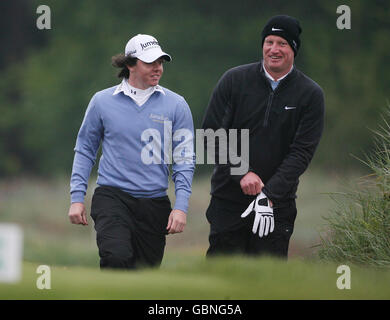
(358, 229)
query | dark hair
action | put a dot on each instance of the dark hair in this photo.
(122, 61)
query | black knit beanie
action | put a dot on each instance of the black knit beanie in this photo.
(286, 27)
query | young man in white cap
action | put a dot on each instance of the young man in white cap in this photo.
(140, 125)
(283, 109)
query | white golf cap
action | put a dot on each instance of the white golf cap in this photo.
(145, 48)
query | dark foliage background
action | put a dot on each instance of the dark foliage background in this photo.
(48, 76)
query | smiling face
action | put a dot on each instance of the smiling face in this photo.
(278, 56)
(144, 75)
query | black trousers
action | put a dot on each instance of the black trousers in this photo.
(130, 232)
(231, 234)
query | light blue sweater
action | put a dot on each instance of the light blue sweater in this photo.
(136, 141)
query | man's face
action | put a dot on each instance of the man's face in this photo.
(144, 75)
(278, 55)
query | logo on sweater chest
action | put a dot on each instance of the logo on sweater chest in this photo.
(158, 118)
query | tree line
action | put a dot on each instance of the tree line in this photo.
(49, 76)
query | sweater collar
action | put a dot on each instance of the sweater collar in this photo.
(266, 73)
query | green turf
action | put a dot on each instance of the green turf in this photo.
(71, 252)
(194, 277)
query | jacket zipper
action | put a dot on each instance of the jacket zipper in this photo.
(270, 98)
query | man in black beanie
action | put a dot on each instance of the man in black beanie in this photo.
(283, 109)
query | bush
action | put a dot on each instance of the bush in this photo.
(358, 231)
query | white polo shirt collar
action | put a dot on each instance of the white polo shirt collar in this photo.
(138, 95)
(270, 77)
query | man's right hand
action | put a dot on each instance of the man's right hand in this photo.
(77, 213)
(251, 184)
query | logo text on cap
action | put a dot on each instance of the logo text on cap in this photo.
(148, 44)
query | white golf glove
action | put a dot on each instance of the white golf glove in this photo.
(264, 215)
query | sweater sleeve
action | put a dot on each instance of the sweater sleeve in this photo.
(87, 145)
(219, 111)
(301, 150)
(183, 155)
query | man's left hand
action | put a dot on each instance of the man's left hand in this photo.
(177, 221)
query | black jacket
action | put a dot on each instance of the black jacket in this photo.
(285, 127)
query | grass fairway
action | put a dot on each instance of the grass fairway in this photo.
(71, 253)
(195, 278)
